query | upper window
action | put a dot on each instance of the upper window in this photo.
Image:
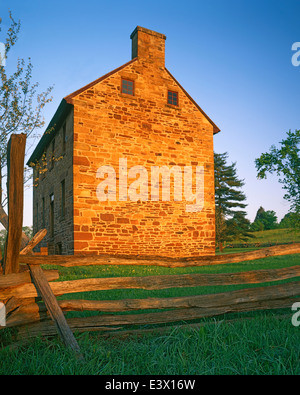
(63, 198)
(127, 87)
(51, 215)
(173, 98)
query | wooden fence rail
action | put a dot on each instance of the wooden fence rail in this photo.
(87, 260)
(209, 308)
(21, 298)
(29, 291)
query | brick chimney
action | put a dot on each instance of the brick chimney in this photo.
(148, 45)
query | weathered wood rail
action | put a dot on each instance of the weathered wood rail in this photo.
(32, 317)
(87, 260)
(28, 290)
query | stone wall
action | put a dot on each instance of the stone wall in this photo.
(48, 180)
(145, 130)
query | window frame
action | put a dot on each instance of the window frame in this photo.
(37, 216)
(63, 199)
(133, 86)
(51, 215)
(177, 98)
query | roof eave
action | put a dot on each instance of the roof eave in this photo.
(65, 105)
(91, 84)
(215, 127)
(55, 124)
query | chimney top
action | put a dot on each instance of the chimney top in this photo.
(148, 45)
(148, 31)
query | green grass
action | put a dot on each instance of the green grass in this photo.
(265, 344)
(268, 237)
(279, 236)
(130, 271)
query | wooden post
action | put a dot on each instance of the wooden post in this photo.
(43, 287)
(37, 238)
(45, 291)
(15, 178)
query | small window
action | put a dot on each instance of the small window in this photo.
(37, 216)
(127, 87)
(173, 98)
(51, 215)
(58, 249)
(63, 199)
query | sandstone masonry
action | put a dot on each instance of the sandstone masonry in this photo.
(99, 124)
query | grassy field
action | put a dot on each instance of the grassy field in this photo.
(261, 346)
(246, 343)
(267, 237)
(277, 236)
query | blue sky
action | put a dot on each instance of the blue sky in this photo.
(233, 57)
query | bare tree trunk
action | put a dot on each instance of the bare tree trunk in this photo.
(221, 247)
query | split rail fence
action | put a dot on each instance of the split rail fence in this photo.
(29, 292)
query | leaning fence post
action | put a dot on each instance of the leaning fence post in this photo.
(15, 178)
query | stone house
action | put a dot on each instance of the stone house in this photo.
(93, 182)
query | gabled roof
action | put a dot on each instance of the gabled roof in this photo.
(70, 97)
(61, 113)
(55, 124)
(216, 129)
(66, 105)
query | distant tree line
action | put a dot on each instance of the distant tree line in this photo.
(284, 161)
(230, 200)
(267, 220)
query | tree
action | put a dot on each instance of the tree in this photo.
(264, 220)
(259, 214)
(285, 162)
(229, 200)
(290, 220)
(21, 105)
(269, 219)
(238, 227)
(257, 226)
